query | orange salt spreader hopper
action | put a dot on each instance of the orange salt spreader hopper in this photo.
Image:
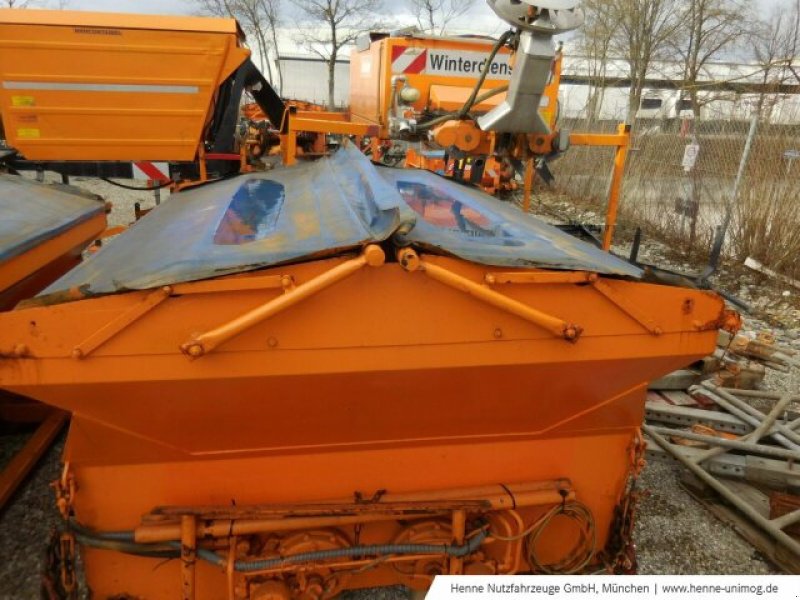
(43, 231)
(342, 376)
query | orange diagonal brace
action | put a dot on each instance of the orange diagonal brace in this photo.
(411, 261)
(627, 307)
(102, 335)
(206, 342)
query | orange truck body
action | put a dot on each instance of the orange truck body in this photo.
(94, 87)
(55, 243)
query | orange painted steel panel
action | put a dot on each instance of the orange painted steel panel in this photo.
(91, 86)
(386, 380)
(450, 98)
(371, 74)
(28, 273)
(69, 18)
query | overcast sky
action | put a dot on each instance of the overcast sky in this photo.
(186, 6)
(480, 14)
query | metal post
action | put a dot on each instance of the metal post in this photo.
(769, 526)
(726, 444)
(615, 187)
(528, 184)
(459, 520)
(188, 556)
(780, 433)
(765, 395)
(754, 436)
(739, 176)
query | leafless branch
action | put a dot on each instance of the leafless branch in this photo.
(330, 25)
(435, 16)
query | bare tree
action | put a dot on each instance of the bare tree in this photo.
(57, 4)
(434, 16)
(271, 10)
(641, 31)
(776, 47)
(595, 46)
(259, 20)
(331, 25)
(710, 28)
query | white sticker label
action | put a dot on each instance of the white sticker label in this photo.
(449, 63)
(467, 64)
(690, 154)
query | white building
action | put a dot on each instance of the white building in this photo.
(727, 87)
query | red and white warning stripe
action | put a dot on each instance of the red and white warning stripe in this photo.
(151, 171)
(409, 60)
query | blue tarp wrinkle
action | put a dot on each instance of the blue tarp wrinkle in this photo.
(324, 208)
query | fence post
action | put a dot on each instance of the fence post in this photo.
(739, 176)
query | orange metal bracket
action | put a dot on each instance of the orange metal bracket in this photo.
(410, 261)
(168, 523)
(600, 139)
(541, 277)
(206, 342)
(102, 335)
(234, 284)
(628, 308)
(527, 188)
(333, 123)
(621, 141)
(188, 556)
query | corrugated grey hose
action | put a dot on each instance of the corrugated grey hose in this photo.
(354, 551)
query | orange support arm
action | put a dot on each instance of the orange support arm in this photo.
(206, 342)
(621, 141)
(410, 261)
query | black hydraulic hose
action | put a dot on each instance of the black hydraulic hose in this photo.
(150, 550)
(485, 71)
(139, 189)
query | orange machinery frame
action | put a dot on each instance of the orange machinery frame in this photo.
(370, 104)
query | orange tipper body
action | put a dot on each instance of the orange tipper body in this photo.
(428, 385)
(93, 86)
(43, 230)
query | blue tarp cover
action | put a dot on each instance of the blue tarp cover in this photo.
(319, 209)
(457, 219)
(32, 213)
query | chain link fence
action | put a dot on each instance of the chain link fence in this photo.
(685, 199)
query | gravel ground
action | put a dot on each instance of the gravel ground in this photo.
(674, 534)
(26, 524)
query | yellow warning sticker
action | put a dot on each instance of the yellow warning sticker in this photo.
(22, 101)
(28, 132)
